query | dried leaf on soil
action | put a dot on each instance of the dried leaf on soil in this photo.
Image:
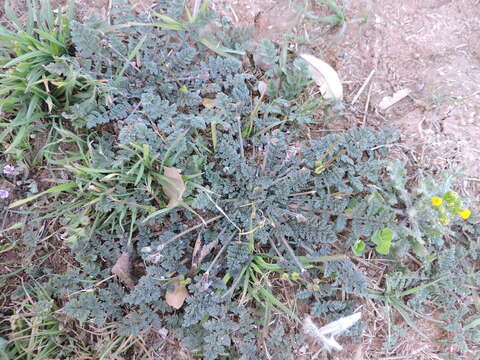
(196, 251)
(177, 297)
(175, 188)
(206, 249)
(122, 270)
(208, 103)
(325, 77)
(388, 101)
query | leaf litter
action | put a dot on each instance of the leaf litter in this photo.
(122, 269)
(175, 187)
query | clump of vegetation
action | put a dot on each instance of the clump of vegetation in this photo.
(195, 186)
(40, 77)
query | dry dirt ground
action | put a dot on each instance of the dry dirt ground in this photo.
(430, 47)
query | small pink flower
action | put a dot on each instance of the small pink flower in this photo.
(4, 194)
(9, 170)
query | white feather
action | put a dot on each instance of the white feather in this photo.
(325, 77)
(325, 334)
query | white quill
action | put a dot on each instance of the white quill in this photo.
(325, 77)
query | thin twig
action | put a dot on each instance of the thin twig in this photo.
(265, 158)
(141, 343)
(222, 211)
(109, 10)
(7, 249)
(242, 151)
(269, 357)
(234, 13)
(210, 267)
(409, 356)
(207, 248)
(122, 56)
(303, 193)
(135, 108)
(280, 178)
(332, 213)
(189, 230)
(363, 87)
(367, 104)
(91, 288)
(272, 243)
(473, 179)
(292, 254)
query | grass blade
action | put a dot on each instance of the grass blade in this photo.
(10, 14)
(31, 55)
(52, 190)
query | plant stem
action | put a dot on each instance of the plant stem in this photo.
(292, 254)
(189, 230)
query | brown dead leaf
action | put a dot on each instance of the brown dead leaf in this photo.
(207, 249)
(122, 270)
(175, 188)
(177, 297)
(208, 103)
(200, 254)
(201, 251)
(196, 252)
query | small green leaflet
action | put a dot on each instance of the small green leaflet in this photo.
(358, 248)
(383, 239)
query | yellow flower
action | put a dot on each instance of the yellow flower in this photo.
(436, 201)
(465, 213)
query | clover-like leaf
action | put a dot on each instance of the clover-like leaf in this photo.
(383, 239)
(358, 248)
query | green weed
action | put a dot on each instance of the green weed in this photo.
(34, 331)
(392, 297)
(38, 75)
(337, 18)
